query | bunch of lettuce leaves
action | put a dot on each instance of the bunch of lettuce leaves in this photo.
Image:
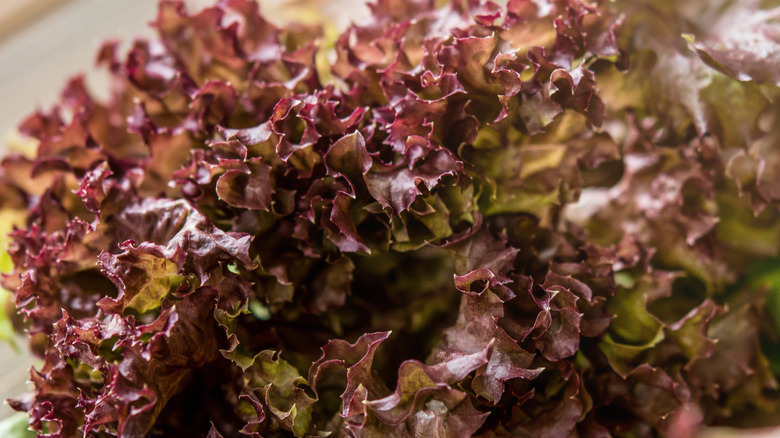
(544, 219)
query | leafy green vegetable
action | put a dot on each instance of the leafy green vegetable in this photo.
(454, 219)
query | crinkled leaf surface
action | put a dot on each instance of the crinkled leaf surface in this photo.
(451, 219)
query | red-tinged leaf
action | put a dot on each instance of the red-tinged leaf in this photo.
(349, 156)
(357, 358)
(246, 185)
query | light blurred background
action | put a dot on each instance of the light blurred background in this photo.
(44, 42)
